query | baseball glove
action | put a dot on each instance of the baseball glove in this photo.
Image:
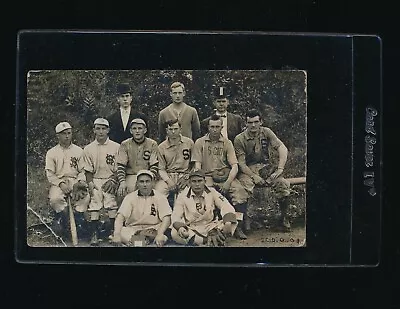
(110, 186)
(221, 175)
(79, 191)
(216, 238)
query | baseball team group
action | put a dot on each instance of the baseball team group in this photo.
(192, 188)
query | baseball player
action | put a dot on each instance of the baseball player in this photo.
(99, 166)
(232, 124)
(119, 120)
(186, 115)
(135, 154)
(65, 173)
(144, 215)
(215, 155)
(174, 158)
(193, 215)
(252, 150)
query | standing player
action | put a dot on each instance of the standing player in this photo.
(232, 124)
(144, 215)
(252, 149)
(135, 154)
(186, 115)
(174, 160)
(215, 155)
(119, 121)
(193, 215)
(64, 171)
(99, 167)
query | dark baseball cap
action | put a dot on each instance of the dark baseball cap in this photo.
(198, 173)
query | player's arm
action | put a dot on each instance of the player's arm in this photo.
(195, 125)
(282, 152)
(241, 157)
(161, 128)
(50, 169)
(118, 224)
(227, 212)
(197, 156)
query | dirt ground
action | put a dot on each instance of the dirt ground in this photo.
(40, 236)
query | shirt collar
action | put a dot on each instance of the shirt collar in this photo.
(169, 145)
(105, 143)
(191, 194)
(140, 194)
(221, 137)
(128, 110)
(222, 114)
(61, 147)
(248, 136)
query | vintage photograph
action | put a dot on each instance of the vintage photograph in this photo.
(165, 158)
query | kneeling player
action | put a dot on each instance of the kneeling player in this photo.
(193, 218)
(144, 215)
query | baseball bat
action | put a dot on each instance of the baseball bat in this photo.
(74, 233)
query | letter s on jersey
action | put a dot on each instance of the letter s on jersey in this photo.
(186, 154)
(146, 155)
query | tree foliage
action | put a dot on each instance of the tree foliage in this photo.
(81, 96)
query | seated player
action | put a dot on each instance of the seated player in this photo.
(215, 154)
(193, 218)
(252, 150)
(174, 156)
(144, 215)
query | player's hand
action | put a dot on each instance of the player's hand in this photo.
(276, 174)
(227, 229)
(91, 187)
(122, 188)
(183, 232)
(258, 180)
(171, 185)
(225, 187)
(116, 239)
(65, 189)
(215, 238)
(160, 240)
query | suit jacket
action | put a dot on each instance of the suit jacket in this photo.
(117, 132)
(235, 126)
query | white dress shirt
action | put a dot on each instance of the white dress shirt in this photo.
(224, 117)
(125, 116)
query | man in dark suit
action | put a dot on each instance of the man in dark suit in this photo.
(232, 124)
(119, 121)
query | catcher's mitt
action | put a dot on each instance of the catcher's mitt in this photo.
(216, 238)
(110, 186)
(79, 191)
(221, 175)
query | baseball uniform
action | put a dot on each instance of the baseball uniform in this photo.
(142, 213)
(254, 152)
(65, 165)
(197, 214)
(100, 160)
(133, 157)
(215, 155)
(188, 119)
(175, 160)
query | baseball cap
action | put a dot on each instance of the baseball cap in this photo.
(138, 120)
(102, 121)
(198, 173)
(62, 126)
(145, 172)
(123, 88)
